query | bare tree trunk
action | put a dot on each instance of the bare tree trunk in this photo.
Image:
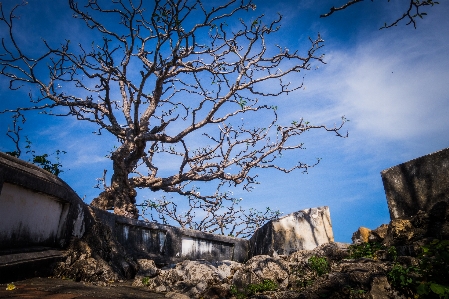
(124, 195)
(121, 195)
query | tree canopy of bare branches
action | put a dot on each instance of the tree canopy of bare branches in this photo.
(223, 216)
(412, 12)
(170, 81)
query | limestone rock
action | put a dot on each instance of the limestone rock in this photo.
(380, 288)
(195, 278)
(147, 268)
(333, 250)
(361, 235)
(399, 231)
(413, 231)
(173, 295)
(262, 267)
(378, 234)
(304, 229)
(96, 258)
(345, 279)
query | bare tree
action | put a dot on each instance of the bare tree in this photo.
(14, 133)
(413, 10)
(171, 82)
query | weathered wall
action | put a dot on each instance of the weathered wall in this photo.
(305, 229)
(39, 214)
(417, 184)
(39, 209)
(36, 208)
(168, 244)
(28, 217)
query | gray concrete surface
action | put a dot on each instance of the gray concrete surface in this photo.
(417, 184)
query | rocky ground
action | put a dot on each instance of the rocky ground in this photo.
(408, 258)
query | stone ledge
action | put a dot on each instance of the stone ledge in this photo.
(20, 265)
(25, 257)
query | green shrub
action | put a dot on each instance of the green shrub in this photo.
(367, 250)
(400, 277)
(252, 289)
(392, 253)
(430, 278)
(145, 280)
(236, 293)
(266, 285)
(434, 269)
(319, 265)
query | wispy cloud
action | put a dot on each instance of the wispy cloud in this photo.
(391, 87)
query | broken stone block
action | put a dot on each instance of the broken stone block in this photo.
(417, 185)
(260, 268)
(361, 235)
(300, 230)
(378, 234)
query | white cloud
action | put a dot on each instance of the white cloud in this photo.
(392, 87)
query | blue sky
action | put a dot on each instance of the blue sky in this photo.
(392, 84)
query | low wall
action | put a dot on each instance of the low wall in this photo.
(39, 210)
(168, 244)
(417, 184)
(40, 214)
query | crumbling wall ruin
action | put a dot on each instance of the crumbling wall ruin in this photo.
(43, 219)
(417, 184)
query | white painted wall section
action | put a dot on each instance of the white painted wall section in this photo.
(192, 246)
(25, 214)
(161, 241)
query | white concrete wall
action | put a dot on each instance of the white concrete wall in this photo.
(193, 247)
(198, 248)
(27, 216)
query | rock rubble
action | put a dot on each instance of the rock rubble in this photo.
(98, 260)
(294, 275)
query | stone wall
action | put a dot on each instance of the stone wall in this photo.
(417, 184)
(39, 210)
(168, 244)
(40, 214)
(305, 229)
